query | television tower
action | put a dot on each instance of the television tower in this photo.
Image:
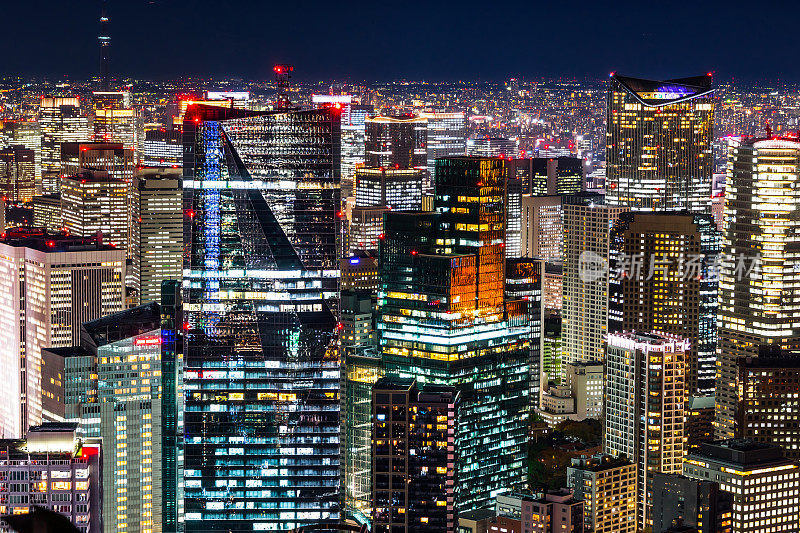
(105, 43)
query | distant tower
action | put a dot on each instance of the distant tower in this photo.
(282, 75)
(105, 43)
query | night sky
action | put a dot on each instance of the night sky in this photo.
(384, 39)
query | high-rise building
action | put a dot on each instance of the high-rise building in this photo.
(414, 475)
(47, 212)
(770, 406)
(694, 502)
(399, 189)
(658, 143)
(361, 370)
(27, 133)
(365, 229)
(396, 142)
(158, 230)
(513, 205)
(113, 120)
(446, 135)
(113, 384)
(162, 148)
(644, 391)
(56, 469)
(443, 318)
(698, 422)
(524, 282)
(664, 277)
(93, 202)
(493, 147)
(763, 483)
(260, 280)
(587, 230)
(607, 486)
(49, 286)
(61, 120)
(543, 230)
(114, 158)
(353, 142)
(359, 272)
(548, 176)
(17, 174)
(760, 269)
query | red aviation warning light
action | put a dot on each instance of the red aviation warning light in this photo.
(282, 75)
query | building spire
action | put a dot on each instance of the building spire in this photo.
(105, 43)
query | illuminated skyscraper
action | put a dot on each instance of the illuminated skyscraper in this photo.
(27, 134)
(664, 278)
(770, 410)
(446, 136)
(587, 229)
(760, 268)
(162, 148)
(398, 142)
(114, 384)
(61, 472)
(399, 189)
(157, 213)
(260, 279)
(644, 392)
(49, 286)
(658, 143)
(17, 174)
(493, 147)
(443, 318)
(92, 202)
(61, 121)
(114, 158)
(353, 124)
(763, 483)
(413, 456)
(114, 118)
(607, 485)
(542, 176)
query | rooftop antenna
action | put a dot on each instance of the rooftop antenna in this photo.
(282, 76)
(105, 43)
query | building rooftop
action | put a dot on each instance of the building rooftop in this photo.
(123, 325)
(93, 175)
(740, 453)
(599, 462)
(44, 241)
(655, 93)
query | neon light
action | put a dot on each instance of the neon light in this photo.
(147, 341)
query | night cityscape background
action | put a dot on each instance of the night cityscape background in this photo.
(399, 268)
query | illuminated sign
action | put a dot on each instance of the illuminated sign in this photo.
(147, 341)
(225, 95)
(667, 92)
(331, 98)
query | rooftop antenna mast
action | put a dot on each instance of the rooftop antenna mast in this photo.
(105, 43)
(282, 76)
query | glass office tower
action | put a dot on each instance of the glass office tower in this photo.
(443, 319)
(261, 193)
(658, 143)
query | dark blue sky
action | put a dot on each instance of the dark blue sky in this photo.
(385, 39)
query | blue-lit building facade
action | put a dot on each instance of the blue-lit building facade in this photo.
(443, 319)
(261, 381)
